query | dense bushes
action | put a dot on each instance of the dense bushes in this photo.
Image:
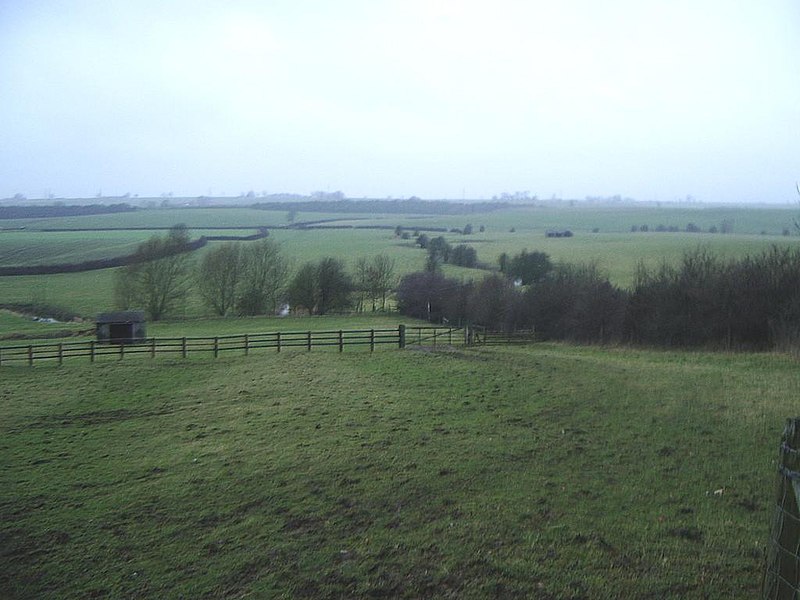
(751, 303)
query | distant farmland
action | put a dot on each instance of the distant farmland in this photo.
(614, 247)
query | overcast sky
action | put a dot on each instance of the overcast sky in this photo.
(651, 99)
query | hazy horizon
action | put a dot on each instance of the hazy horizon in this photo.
(651, 100)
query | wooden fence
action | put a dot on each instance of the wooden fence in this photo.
(782, 573)
(399, 337)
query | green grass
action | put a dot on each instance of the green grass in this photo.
(12, 324)
(548, 471)
(238, 325)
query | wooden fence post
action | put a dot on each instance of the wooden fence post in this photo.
(216, 347)
(183, 348)
(60, 354)
(30, 356)
(152, 347)
(372, 340)
(246, 344)
(278, 338)
(309, 341)
(782, 575)
(91, 351)
(341, 341)
(401, 336)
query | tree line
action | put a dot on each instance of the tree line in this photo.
(246, 279)
(702, 301)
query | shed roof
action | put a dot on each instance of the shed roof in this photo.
(122, 316)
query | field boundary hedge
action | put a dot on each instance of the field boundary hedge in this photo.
(121, 261)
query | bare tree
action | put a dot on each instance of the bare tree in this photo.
(265, 274)
(219, 277)
(160, 278)
(362, 281)
(382, 279)
(302, 291)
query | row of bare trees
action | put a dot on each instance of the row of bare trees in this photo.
(247, 279)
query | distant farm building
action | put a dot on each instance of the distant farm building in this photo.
(558, 233)
(124, 327)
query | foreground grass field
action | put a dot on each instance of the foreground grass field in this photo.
(545, 472)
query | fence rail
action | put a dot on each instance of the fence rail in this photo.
(483, 336)
(399, 337)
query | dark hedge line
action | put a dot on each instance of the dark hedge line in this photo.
(120, 261)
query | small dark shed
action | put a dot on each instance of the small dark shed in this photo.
(124, 327)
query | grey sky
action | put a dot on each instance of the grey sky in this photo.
(643, 98)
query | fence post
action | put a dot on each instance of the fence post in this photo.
(183, 348)
(152, 347)
(122, 350)
(246, 344)
(216, 347)
(782, 574)
(30, 356)
(309, 341)
(401, 336)
(60, 354)
(372, 340)
(341, 341)
(278, 338)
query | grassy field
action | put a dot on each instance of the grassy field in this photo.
(545, 471)
(15, 324)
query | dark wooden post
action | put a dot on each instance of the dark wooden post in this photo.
(341, 341)
(278, 338)
(121, 350)
(216, 347)
(152, 347)
(372, 340)
(308, 343)
(401, 336)
(782, 577)
(183, 348)
(246, 344)
(30, 356)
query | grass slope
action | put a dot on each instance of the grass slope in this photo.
(547, 471)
